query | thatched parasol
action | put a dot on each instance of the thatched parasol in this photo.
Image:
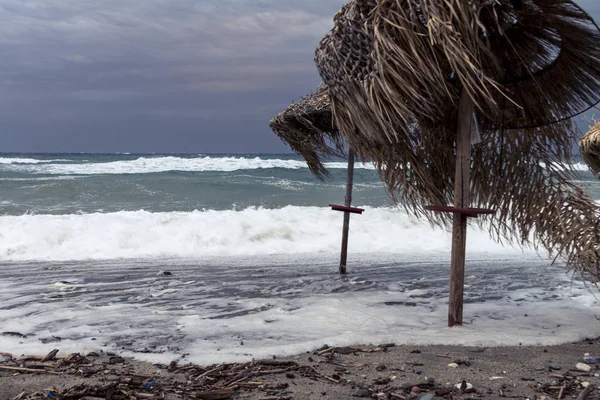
(307, 127)
(589, 146)
(412, 80)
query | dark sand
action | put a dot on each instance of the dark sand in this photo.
(388, 373)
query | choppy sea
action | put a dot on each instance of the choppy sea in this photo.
(211, 258)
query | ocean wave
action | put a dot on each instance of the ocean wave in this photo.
(43, 178)
(580, 166)
(145, 165)
(16, 160)
(252, 231)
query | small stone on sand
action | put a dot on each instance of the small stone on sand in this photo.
(583, 367)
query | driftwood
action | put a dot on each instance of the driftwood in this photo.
(21, 369)
(583, 395)
(50, 355)
(224, 381)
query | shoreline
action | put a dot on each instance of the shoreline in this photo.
(385, 372)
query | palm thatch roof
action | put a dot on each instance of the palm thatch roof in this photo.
(395, 70)
(307, 127)
(589, 146)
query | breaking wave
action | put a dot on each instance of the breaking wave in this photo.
(252, 231)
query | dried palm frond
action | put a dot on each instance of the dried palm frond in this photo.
(308, 128)
(589, 146)
(392, 63)
(536, 204)
(518, 175)
(395, 70)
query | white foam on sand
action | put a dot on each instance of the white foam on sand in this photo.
(252, 231)
(211, 311)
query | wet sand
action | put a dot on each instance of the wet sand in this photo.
(398, 372)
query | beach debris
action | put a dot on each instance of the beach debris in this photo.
(164, 273)
(364, 393)
(477, 349)
(416, 351)
(464, 385)
(382, 381)
(453, 365)
(150, 385)
(591, 360)
(215, 394)
(583, 367)
(466, 363)
(51, 339)
(50, 356)
(13, 334)
(583, 395)
(444, 391)
(345, 350)
(226, 381)
(566, 385)
(380, 367)
(23, 369)
(116, 360)
(555, 367)
(527, 378)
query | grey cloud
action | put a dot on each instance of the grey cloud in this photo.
(132, 75)
(191, 63)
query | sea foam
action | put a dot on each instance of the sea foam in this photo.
(19, 160)
(252, 231)
(157, 164)
(147, 165)
(283, 305)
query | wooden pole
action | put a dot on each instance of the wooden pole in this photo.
(347, 203)
(461, 200)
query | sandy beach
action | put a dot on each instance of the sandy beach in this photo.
(382, 372)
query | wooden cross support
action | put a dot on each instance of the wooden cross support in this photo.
(347, 209)
(353, 210)
(461, 209)
(470, 212)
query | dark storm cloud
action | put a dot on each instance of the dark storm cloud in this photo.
(156, 75)
(155, 71)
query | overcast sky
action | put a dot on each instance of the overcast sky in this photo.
(156, 75)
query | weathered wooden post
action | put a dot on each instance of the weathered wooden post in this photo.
(465, 136)
(347, 203)
(347, 209)
(461, 201)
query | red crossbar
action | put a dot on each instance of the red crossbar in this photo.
(472, 212)
(354, 210)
